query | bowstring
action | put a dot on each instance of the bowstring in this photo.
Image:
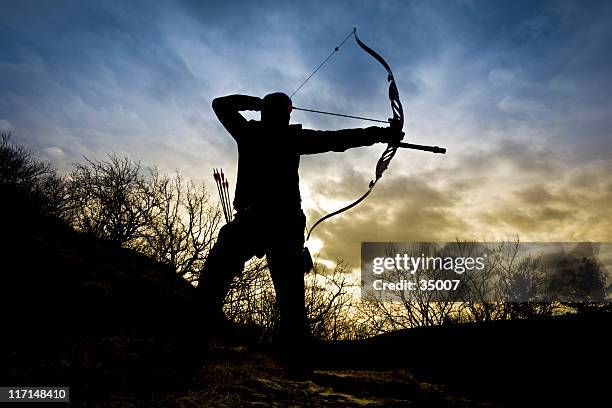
(336, 49)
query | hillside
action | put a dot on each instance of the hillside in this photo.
(120, 330)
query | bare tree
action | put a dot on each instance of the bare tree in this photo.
(330, 302)
(509, 287)
(110, 198)
(34, 182)
(165, 218)
(251, 300)
(181, 224)
(328, 298)
(403, 309)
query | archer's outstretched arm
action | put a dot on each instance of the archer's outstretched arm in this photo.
(227, 109)
(321, 141)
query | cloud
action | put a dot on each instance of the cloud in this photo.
(507, 191)
(53, 151)
(501, 76)
(519, 94)
(5, 125)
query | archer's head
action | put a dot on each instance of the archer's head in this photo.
(276, 109)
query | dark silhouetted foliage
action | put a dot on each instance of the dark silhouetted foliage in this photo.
(28, 184)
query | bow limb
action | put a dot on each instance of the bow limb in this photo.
(396, 109)
(396, 104)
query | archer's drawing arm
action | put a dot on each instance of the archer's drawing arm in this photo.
(228, 108)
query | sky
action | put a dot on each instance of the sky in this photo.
(518, 92)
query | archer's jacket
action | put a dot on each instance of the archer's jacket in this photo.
(268, 158)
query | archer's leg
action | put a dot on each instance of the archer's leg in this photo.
(285, 261)
(225, 261)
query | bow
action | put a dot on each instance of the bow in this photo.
(396, 121)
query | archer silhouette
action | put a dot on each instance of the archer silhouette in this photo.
(269, 219)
